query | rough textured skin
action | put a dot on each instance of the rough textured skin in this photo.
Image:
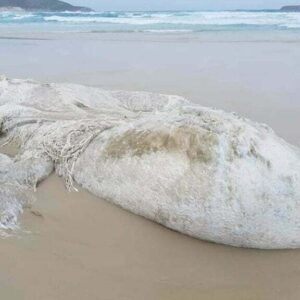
(206, 173)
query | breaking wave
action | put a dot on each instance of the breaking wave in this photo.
(203, 172)
(176, 20)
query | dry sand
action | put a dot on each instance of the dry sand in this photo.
(81, 247)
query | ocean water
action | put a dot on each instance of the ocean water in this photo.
(160, 21)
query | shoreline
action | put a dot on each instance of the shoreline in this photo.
(255, 80)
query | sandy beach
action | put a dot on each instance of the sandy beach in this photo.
(80, 246)
(253, 75)
(77, 246)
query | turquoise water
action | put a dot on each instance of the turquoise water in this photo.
(170, 21)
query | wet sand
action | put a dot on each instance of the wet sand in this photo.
(255, 76)
(81, 247)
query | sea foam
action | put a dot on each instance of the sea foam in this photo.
(127, 21)
(203, 172)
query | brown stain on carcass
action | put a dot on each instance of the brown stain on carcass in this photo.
(196, 144)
